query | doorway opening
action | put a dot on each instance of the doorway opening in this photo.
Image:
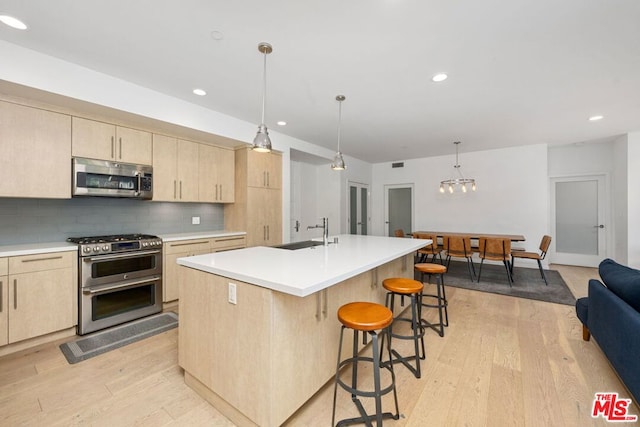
(358, 214)
(398, 205)
(578, 218)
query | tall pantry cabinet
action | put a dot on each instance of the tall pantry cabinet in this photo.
(258, 198)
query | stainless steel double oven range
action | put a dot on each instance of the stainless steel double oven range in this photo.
(119, 279)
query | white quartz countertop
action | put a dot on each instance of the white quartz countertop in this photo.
(305, 271)
(36, 248)
(175, 237)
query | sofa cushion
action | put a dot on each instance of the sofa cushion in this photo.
(622, 281)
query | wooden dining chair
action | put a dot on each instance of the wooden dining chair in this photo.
(399, 232)
(495, 249)
(432, 250)
(544, 247)
(459, 247)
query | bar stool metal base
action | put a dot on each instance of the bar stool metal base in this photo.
(352, 388)
(417, 334)
(440, 303)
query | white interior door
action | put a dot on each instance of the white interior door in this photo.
(398, 205)
(579, 230)
(358, 216)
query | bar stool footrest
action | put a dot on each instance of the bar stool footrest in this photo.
(439, 328)
(365, 418)
(365, 393)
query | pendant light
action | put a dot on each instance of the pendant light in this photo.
(459, 180)
(338, 161)
(262, 142)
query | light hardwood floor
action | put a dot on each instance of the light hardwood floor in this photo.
(503, 361)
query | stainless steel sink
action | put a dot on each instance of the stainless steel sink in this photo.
(299, 245)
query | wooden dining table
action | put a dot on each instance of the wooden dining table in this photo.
(474, 236)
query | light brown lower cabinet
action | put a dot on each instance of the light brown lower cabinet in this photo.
(186, 248)
(39, 296)
(278, 348)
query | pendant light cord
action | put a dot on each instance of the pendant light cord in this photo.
(339, 122)
(264, 85)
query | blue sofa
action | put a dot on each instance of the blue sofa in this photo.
(611, 313)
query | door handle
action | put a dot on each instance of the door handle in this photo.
(599, 226)
(297, 226)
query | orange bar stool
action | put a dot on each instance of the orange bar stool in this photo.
(440, 297)
(366, 317)
(412, 288)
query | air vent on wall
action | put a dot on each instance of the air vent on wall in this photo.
(397, 165)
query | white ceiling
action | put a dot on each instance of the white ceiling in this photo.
(520, 71)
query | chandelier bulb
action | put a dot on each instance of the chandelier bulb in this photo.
(464, 188)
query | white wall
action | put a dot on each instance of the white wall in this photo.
(315, 194)
(633, 197)
(512, 195)
(620, 201)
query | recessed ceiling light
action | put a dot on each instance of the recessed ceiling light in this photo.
(217, 35)
(281, 123)
(13, 22)
(595, 118)
(440, 77)
(199, 92)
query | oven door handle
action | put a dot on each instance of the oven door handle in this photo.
(89, 291)
(120, 256)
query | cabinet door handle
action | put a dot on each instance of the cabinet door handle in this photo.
(175, 191)
(180, 190)
(325, 303)
(264, 178)
(216, 198)
(42, 259)
(268, 180)
(113, 148)
(268, 233)
(374, 281)
(202, 242)
(120, 148)
(1, 293)
(15, 294)
(220, 192)
(318, 304)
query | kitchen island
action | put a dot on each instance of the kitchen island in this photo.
(258, 332)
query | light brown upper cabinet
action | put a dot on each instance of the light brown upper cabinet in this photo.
(106, 141)
(264, 169)
(217, 174)
(258, 198)
(35, 152)
(175, 169)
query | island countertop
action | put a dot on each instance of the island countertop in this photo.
(303, 272)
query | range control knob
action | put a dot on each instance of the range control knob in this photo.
(86, 249)
(96, 249)
(145, 244)
(105, 248)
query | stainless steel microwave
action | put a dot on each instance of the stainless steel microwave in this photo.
(111, 179)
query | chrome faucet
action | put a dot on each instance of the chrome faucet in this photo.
(325, 230)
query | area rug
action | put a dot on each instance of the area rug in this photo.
(118, 336)
(527, 282)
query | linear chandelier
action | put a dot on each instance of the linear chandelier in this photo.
(458, 180)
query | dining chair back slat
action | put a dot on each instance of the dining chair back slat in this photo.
(495, 249)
